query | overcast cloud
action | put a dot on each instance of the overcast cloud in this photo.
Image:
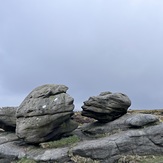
(90, 46)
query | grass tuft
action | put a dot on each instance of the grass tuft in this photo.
(61, 143)
(79, 159)
(26, 160)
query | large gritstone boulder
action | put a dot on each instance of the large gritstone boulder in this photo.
(45, 114)
(106, 107)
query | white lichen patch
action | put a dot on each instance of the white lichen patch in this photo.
(55, 99)
(44, 106)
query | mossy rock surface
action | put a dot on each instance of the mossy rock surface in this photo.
(26, 160)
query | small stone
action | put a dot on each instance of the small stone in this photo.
(141, 120)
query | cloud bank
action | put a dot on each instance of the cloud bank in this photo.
(90, 46)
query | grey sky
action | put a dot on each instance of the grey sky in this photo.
(89, 45)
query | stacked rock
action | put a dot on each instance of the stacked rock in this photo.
(45, 114)
(106, 107)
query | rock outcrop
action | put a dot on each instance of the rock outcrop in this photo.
(12, 149)
(45, 114)
(106, 107)
(8, 118)
(103, 143)
(146, 141)
(126, 122)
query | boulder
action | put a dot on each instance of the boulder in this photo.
(8, 118)
(12, 149)
(106, 107)
(43, 113)
(126, 122)
(145, 141)
(139, 120)
(7, 153)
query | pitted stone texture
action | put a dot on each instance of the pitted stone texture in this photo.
(147, 141)
(8, 118)
(126, 122)
(42, 112)
(106, 107)
(140, 120)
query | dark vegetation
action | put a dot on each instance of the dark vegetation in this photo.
(82, 119)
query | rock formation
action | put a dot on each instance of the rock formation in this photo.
(141, 120)
(106, 107)
(109, 149)
(45, 114)
(101, 142)
(8, 118)
(126, 122)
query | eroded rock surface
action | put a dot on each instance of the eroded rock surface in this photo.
(126, 122)
(12, 149)
(147, 141)
(43, 113)
(139, 120)
(8, 118)
(106, 107)
(109, 148)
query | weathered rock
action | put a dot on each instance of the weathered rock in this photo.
(108, 148)
(59, 155)
(140, 120)
(123, 123)
(97, 128)
(12, 149)
(106, 107)
(43, 112)
(6, 137)
(7, 154)
(147, 141)
(8, 118)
